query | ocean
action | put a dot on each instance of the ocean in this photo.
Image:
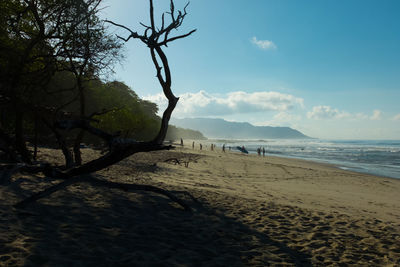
(377, 157)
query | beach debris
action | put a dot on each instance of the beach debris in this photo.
(184, 160)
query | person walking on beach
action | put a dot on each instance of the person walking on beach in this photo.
(223, 148)
(263, 150)
(181, 142)
(193, 145)
(201, 146)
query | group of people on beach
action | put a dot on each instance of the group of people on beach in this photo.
(223, 148)
(259, 150)
(212, 147)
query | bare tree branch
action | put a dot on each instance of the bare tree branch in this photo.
(155, 50)
(165, 42)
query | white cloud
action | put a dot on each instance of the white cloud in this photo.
(263, 44)
(377, 114)
(327, 112)
(396, 117)
(205, 104)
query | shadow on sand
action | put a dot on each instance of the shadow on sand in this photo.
(86, 226)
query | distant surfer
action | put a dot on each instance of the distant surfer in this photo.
(181, 142)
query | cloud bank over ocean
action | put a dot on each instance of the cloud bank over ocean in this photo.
(239, 102)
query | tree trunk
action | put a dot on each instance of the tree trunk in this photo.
(79, 137)
(77, 148)
(20, 143)
(35, 138)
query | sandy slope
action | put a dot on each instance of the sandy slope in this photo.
(251, 211)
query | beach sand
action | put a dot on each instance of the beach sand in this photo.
(249, 211)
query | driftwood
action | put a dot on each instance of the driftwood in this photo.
(174, 160)
(177, 161)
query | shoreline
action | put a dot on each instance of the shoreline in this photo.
(299, 164)
(286, 162)
(337, 165)
(387, 170)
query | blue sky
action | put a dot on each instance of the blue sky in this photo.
(330, 69)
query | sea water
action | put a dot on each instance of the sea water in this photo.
(378, 157)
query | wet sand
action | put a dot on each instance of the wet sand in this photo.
(249, 211)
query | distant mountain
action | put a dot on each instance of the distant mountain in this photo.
(175, 133)
(219, 128)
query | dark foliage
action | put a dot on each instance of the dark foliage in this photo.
(52, 53)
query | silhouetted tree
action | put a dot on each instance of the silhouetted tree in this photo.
(88, 51)
(31, 44)
(156, 38)
(47, 31)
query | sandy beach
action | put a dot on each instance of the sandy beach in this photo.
(248, 211)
